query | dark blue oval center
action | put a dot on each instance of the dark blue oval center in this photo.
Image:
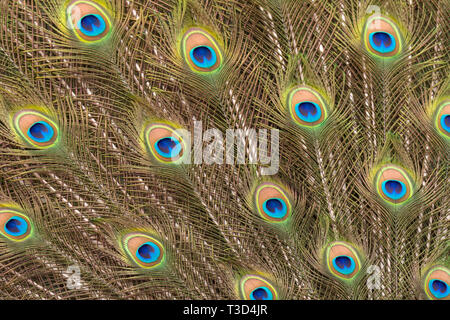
(260, 294)
(439, 286)
(16, 226)
(380, 38)
(445, 121)
(13, 225)
(90, 21)
(38, 130)
(307, 108)
(203, 56)
(202, 53)
(393, 186)
(382, 42)
(343, 262)
(146, 251)
(308, 111)
(168, 147)
(274, 205)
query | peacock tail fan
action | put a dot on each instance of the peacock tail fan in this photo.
(213, 149)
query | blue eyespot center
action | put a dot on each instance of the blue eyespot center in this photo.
(275, 208)
(16, 226)
(148, 252)
(203, 56)
(92, 25)
(382, 42)
(308, 111)
(394, 189)
(445, 122)
(344, 264)
(41, 132)
(168, 147)
(261, 293)
(438, 288)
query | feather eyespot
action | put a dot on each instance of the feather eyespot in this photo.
(201, 51)
(253, 287)
(306, 107)
(342, 260)
(144, 250)
(437, 284)
(393, 184)
(272, 203)
(14, 225)
(35, 128)
(443, 119)
(382, 37)
(89, 20)
(165, 143)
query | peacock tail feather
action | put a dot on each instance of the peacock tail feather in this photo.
(213, 149)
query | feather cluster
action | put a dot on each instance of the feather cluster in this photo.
(99, 198)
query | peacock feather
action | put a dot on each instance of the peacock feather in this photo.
(214, 149)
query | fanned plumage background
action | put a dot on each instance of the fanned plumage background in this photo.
(100, 182)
